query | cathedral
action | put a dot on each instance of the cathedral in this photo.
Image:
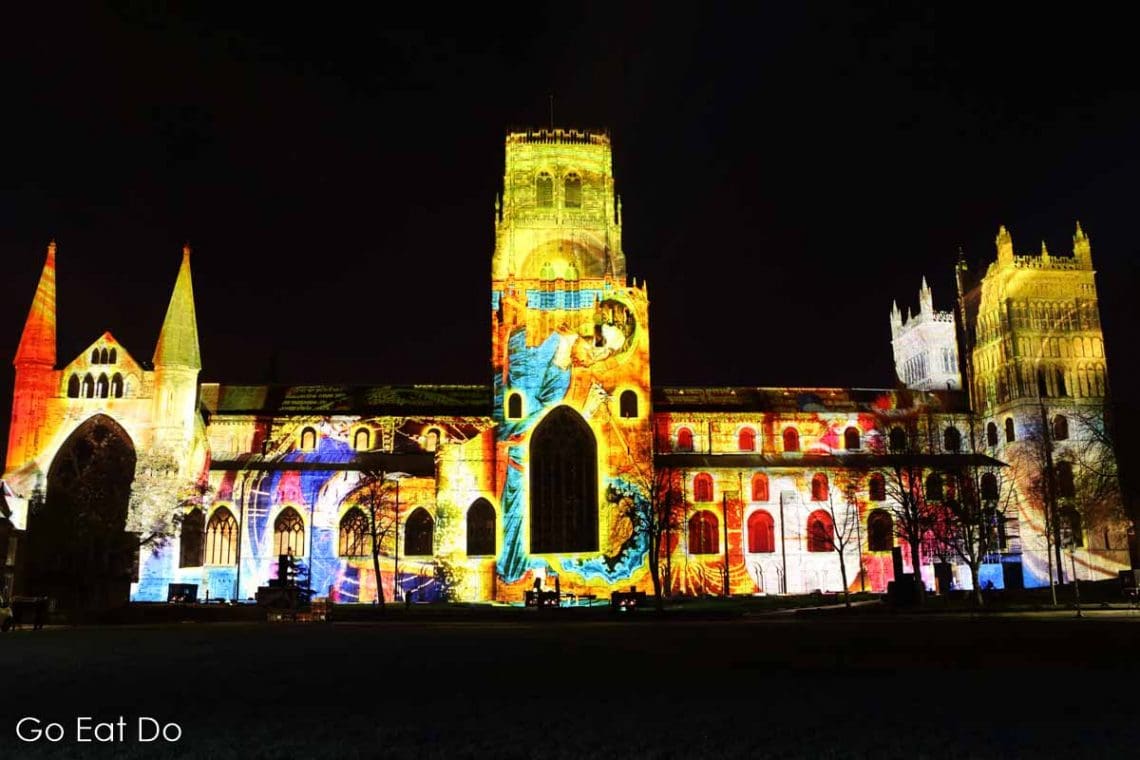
(129, 478)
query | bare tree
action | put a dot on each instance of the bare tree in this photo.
(970, 526)
(905, 485)
(844, 528)
(374, 497)
(655, 508)
(160, 499)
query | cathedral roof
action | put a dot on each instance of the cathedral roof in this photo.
(806, 400)
(457, 400)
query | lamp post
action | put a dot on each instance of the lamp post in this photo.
(396, 477)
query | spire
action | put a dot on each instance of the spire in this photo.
(896, 317)
(178, 341)
(37, 344)
(1004, 245)
(1082, 247)
(1044, 252)
(925, 300)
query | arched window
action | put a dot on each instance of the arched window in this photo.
(1009, 432)
(1066, 488)
(418, 534)
(480, 529)
(221, 538)
(880, 531)
(761, 533)
(897, 439)
(361, 440)
(355, 538)
(1072, 527)
(934, 487)
(819, 489)
(820, 532)
(989, 486)
(73, 386)
(684, 439)
(431, 440)
(88, 386)
(851, 439)
(951, 439)
(1042, 386)
(104, 356)
(94, 356)
(573, 191)
(563, 484)
(704, 533)
(116, 385)
(759, 487)
(112, 357)
(191, 535)
(991, 434)
(1062, 389)
(877, 487)
(791, 439)
(1060, 427)
(627, 405)
(746, 439)
(703, 487)
(289, 533)
(544, 190)
(308, 439)
(102, 386)
(514, 406)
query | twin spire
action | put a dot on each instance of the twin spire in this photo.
(177, 342)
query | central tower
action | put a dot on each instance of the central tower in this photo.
(570, 356)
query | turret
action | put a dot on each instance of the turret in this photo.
(35, 368)
(177, 362)
(1082, 248)
(1004, 246)
(896, 318)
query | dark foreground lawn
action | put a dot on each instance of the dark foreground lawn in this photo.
(822, 687)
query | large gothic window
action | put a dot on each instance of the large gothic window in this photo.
(191, 544)
(117, 386)
(418, 534)
(77, 549)
(221, 538)
(355, 538)
(73, 387)
(761, 533)
(563, 484)
(704, 533)
(289, 533)
(480, 529)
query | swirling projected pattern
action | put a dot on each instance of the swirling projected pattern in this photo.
(533, 372)
(630, 558)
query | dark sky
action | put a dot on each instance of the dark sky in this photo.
(784, 173)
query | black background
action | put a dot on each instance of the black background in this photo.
(785, 174)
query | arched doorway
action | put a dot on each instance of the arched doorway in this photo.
(78, 551)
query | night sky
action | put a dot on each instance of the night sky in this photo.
(784, 175)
